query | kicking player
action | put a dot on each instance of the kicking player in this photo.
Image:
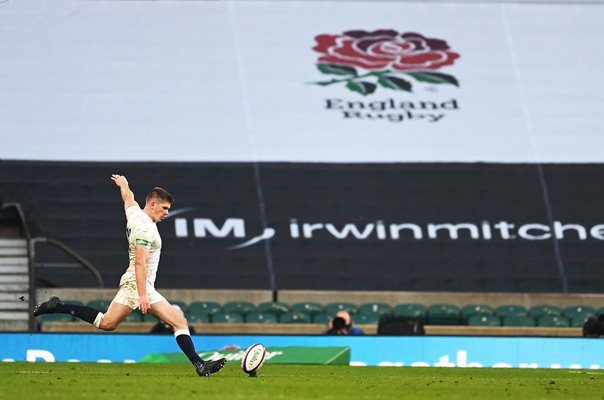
(137, 285)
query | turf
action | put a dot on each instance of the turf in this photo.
(179, 381)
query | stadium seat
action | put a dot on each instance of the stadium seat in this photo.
(294, 318)
(321, 318)
(193, 318)
(475, 309)
(241, 307)
(183, 306)
(310, 308)
(544, 309)
(367, 319)
(99, 304)
(553, 321)
(135, 316)
(381, 309)
(410, 311)
(444, 314)
(484, 320)
(519, 320)
(227, 318)
(508, 310)
(261, 318)
(333, 308)
(198, 308)
(578, 314)
(274, 307)
(600, 311)
(55, 318)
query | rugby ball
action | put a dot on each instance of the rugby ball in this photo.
(253, 358)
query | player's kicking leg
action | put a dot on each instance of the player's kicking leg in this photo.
(107, 321)
(163, 311)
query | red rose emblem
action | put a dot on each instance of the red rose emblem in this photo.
(385, 53)
(385, 49)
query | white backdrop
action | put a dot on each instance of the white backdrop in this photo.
(233, 81)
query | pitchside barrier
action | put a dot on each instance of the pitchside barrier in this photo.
(444, 351)
(315, 329)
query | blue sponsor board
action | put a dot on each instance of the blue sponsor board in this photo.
(444, 351)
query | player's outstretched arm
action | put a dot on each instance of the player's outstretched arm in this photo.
(125, 191)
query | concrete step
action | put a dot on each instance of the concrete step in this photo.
(13, 252)
(8, 287)
(14, 269)
(13, 243)
(14, 260)
(13, 279)
(14, 305)
(13, 296)
(14, 315)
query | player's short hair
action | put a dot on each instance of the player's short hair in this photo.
(161, 194)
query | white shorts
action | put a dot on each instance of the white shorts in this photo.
(128, 295)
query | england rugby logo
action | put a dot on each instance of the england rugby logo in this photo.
(362, 60)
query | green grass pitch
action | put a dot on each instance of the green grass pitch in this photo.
(179, 381)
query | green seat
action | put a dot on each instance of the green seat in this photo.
(99, 304)
(203, 318)
(366, 319)
(519, 320)
(307, 307)
(444, 314)
(183, 306)
(274, 307)
(578, 314)
(410, 311)
(475, 309)
(508, 310)
(553, 321)
(381, 309)
(333, 308)
(198, 308)
(135, 316)
(241, 307)
(294, 318)
(544, 309)
(484, 320)
(600, 311)
(261, 318)
(227, 318)
(321, 318)
(55, 318)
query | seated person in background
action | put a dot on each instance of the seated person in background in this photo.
(162, 327)
(594, 327)
(341, 324)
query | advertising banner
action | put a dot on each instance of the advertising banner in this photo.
(497, 352)
(274, 355)
(301, 81)
(439, 227)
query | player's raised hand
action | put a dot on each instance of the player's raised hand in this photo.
(120, 180)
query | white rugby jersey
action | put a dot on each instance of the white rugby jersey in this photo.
(142, 231)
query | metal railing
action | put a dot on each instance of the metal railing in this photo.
(81, 261)
(33, 265)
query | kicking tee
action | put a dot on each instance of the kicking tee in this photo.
(141, 231)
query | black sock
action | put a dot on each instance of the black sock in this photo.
(186, 345)
(85, 313)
